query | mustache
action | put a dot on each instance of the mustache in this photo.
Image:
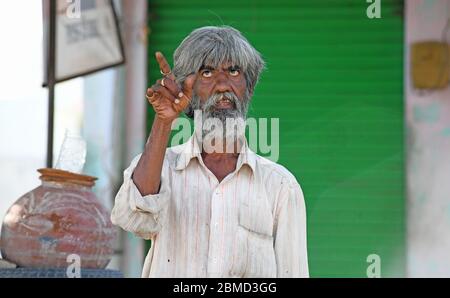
(214, 99)
(240, 105)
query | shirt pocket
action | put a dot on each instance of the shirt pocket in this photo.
(254, 256)
(255, 213)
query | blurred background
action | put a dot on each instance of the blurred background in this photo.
(364, 118)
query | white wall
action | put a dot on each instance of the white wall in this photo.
(23, 102)
(428, 130)
(109, 108)
(135, 75)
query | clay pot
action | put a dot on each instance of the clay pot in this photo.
(59, 218)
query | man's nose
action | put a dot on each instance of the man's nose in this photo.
(222, 84)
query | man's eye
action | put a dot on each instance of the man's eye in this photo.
(234, 72)
(207, 73)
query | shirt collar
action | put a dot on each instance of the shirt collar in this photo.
(191, 149)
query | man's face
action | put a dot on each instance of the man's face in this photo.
(228, 78)
(221, 94)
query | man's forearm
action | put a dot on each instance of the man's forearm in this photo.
(147, 174)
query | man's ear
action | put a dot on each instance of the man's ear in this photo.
(189, 110)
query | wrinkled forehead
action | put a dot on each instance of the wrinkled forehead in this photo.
(227, 65)
(219, 56)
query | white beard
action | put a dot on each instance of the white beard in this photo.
(216, 136)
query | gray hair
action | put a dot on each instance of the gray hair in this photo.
(214, 46)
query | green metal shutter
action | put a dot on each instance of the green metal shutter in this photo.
(335, 80)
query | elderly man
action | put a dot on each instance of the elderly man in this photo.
(211, 212)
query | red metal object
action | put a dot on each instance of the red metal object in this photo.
(59, 218)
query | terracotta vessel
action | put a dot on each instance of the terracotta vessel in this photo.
(59, 218)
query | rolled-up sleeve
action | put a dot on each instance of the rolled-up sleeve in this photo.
(290, 232)
(141, 215)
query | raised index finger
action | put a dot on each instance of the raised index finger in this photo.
(163, 65)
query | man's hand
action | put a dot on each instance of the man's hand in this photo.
(168, 100)
(166, 97)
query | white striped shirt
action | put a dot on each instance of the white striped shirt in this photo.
(251, 224)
